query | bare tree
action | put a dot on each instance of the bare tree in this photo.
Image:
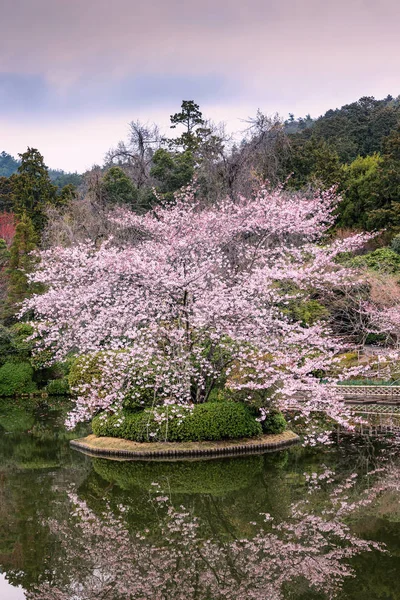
(136, 154)
(266, 145)
(232, 168)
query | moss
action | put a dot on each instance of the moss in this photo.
(209, 421)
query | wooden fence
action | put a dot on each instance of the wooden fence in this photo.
(389, 394)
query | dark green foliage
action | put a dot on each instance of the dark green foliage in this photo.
(209, 421)
(118, 188)
(395, 244)
(383, 259)
(14, 345)
(62, 179)
(139, 398)
(274, 422)
(21, 263)
(32, 189)
(58, 387)
(360, 191)
(200, 477)
(305, 311)
(84, 370)
(6, 197)
(68, 193)
(172, 171)
(357, 147)
(358, 128)
(313, 162)
(189, 118)
(16, 378)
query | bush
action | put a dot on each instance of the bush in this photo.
(378, 382)
(383, 259)
(85, 369)
(395, 244)
(209, 421)
(274, 422)
(139, 398)
(58, 387)
(16, 378)
(88, 369)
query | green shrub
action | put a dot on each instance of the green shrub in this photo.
(16, 378)
(58, 387)
(383, 259)
(87, 369)
(379, 382)
(274, 422)
(305, 311)
(139, 398)
(209, 421)
(84, 369)
(395, 244)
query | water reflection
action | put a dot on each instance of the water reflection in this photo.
(8, 592)
(302, 523)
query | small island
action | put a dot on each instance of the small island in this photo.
(111, 447)
(212, 428)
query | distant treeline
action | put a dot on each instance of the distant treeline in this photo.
(356, 147)
(9, 166)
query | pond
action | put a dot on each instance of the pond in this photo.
(302, 523)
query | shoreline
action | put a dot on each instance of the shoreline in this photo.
(107, 447)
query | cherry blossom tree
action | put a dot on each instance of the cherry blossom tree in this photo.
(197, 301)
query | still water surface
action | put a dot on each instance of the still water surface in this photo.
(304, 524)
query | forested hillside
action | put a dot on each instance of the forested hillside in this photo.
(9, 166)
(358, 148)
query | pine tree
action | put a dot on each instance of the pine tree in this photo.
(191, 118)
(32, 189)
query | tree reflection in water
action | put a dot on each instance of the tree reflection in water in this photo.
(98, 557)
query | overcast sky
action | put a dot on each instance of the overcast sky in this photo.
(73, 73)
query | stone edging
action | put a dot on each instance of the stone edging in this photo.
(108, 447)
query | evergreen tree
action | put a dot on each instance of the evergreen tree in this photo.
(6, 193)
(68, 193)
(360, 192)
(313, 162)
(118, 188)
(21, 263)
(191, 118)
(172, 171)
(32, 188)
